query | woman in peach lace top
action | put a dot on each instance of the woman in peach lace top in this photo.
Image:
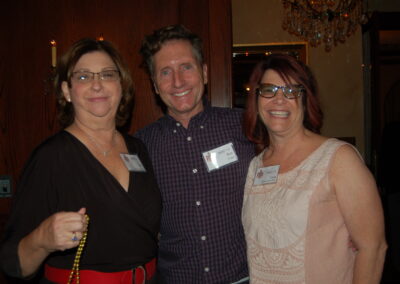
(306, 195)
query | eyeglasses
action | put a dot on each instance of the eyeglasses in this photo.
(269, 91)
(87, 77)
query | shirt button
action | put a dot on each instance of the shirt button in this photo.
(203, 238)
(206, 269)
(201, 126)
(198, 203)
(189, 139)
(174, 131)
(194, 171)
(178, 124)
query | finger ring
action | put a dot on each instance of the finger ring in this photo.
(74, 238)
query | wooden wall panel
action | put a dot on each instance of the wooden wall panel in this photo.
(27, 105)
(220, 43)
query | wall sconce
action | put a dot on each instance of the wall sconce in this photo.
(53, 46)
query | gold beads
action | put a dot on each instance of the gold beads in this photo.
(75, 266)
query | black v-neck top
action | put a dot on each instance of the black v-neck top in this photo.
(62, 175)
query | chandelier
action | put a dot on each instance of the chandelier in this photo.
(322, 21)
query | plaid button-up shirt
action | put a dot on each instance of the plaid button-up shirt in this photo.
(202, 238)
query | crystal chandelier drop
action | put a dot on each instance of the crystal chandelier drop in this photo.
(322, 21)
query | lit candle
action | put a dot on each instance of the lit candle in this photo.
(53, 53)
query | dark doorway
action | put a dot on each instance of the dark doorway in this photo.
(382, 120)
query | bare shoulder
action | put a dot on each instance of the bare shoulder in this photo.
(348, 171)
(347, 156)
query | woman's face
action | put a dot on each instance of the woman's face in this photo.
(280, 115)
(95, 97)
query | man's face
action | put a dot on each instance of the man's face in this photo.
(179, 79)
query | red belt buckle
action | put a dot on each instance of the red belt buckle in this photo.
(140, 275)
(146, 272)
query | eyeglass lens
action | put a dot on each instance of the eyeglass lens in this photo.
(270, 91)
(87, 76)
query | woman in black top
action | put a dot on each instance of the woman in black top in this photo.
(88, 169)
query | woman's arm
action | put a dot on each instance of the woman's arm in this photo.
(360, 205)
(54, 233)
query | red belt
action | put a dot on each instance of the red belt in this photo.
(137, 275)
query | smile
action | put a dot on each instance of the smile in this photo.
(279, 113)
(182, 94)
(97, 99)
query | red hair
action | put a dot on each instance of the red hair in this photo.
(288, 68)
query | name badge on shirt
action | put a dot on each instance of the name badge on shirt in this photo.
(220, 157)
(133, 163)
(266, 175)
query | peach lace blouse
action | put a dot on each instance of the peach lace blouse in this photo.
(294, 229)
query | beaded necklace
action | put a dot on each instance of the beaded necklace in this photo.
(75, 266)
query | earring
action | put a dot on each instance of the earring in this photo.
(69, 99)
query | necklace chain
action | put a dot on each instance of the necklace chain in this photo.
(104, 152)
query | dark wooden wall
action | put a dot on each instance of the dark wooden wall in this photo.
(27, 105)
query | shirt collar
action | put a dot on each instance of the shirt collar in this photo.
(197, 120)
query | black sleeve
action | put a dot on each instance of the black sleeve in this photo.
(31, 205)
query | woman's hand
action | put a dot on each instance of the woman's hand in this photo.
(59, 232)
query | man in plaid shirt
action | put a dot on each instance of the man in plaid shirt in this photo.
(200, 158)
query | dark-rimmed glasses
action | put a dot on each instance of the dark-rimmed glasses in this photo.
(87, 76)
(270, 90)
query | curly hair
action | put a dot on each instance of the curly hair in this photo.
(288, 68)
(65, 66)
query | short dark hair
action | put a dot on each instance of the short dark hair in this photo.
(152, 44)
(288, 68)
(64, 70)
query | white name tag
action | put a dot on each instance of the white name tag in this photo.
(133, 163)
(266, 175)
(220, 157)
